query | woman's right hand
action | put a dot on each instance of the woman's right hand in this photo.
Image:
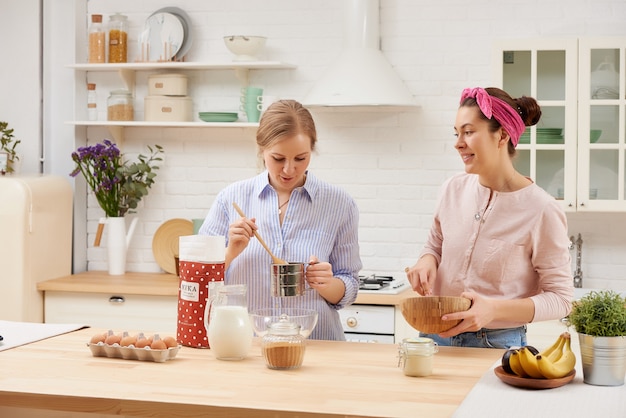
(239, 234)
(423, 274)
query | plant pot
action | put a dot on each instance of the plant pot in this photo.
(603, 359)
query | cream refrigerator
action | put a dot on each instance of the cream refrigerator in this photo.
(35, 241)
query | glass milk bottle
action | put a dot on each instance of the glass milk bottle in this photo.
(229, 326)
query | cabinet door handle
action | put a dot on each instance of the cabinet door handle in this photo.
(116, 299)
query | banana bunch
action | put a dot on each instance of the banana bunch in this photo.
(554, 362)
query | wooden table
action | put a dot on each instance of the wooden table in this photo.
(336, 379)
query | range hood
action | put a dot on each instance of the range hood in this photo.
(361, 76)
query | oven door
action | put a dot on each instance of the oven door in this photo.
(368, 323)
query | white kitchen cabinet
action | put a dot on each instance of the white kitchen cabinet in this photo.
(132, 301)
(118, 312)
(560, 154)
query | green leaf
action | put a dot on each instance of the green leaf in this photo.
(600, 313)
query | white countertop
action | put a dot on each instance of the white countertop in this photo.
(492, 398)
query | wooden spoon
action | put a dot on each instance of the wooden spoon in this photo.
(275, 259)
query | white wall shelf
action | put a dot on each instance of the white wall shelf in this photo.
(116, 128)
(127, 70)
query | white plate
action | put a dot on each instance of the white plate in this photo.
(186, 22)
(164, 33)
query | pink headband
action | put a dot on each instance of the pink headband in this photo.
(499, 109)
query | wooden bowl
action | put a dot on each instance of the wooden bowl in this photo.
(424, 312)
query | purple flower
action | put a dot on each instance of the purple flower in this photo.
(117, 184)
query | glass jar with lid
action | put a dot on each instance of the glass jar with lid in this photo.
(118, 38)
(120, 105)
(92, 106)
(97, 39)
(416, 356)
(283, 345)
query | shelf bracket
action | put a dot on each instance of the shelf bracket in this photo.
(128, 77)
(242, 75)
(117, 132)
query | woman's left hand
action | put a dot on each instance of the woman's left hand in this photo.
(319, 275)
(476, 317)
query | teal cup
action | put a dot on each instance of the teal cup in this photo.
(249, 101)
(197, 223)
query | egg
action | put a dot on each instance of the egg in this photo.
(158, 345)
(143, 342)
(128, 340)
(98, 338)
(113, 339)
(170, 342)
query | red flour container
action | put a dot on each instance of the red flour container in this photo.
(194, 292)
(197, 287)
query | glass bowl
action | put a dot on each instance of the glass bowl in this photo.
(262, 318)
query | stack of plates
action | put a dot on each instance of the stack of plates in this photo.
(554, 136)
(218, 116)
(166, 35)
(544, 136)
(549, 135)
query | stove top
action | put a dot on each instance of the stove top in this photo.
(381, 284)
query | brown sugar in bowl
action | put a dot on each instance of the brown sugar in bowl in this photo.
(424, 312)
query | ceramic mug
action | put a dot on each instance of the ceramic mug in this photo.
(265, 102)
(249, 100)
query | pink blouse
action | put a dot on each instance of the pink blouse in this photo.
(517, 247)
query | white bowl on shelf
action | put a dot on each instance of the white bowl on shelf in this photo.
(245, 48)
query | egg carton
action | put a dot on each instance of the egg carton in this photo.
(132, 353)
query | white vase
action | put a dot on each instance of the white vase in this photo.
(118, 240)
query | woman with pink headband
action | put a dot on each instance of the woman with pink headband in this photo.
(497, 238)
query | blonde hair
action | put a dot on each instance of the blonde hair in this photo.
(282, 119)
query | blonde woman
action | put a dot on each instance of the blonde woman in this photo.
(301, 218)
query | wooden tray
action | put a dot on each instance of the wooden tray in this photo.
(530, 383)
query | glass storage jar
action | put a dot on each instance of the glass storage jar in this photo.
(283, 345)
(97, 39)
(416, 356)
(92, 106)
(118, 38)
(120, 105)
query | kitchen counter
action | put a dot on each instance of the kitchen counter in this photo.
(336, 379)
(163, 284)
(149, 284)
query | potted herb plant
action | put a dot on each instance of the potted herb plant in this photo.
(600, 321)
(8, 153)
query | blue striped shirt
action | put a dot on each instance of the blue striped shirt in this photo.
(320, 220)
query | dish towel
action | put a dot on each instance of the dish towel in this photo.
(491, 397)
(15, 334)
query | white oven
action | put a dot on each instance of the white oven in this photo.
(368, 323)
(373, 323)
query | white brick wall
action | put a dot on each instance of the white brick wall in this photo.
(391, 163)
